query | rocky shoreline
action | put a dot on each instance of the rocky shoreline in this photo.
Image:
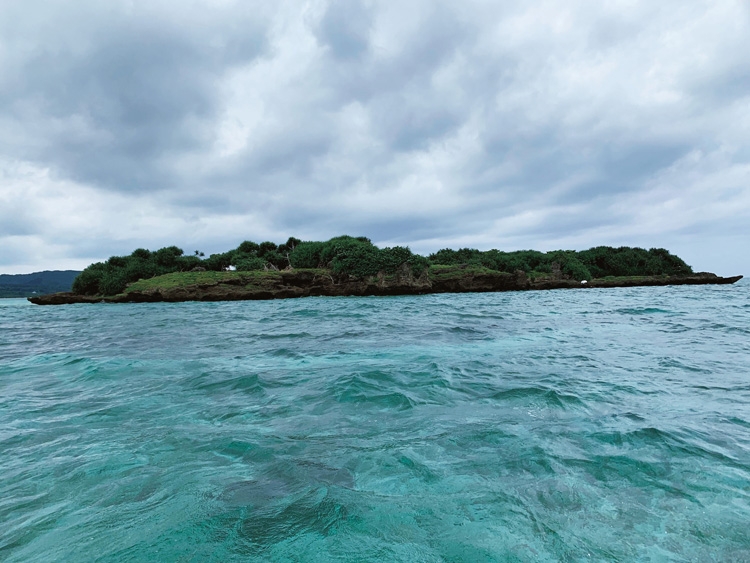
(302, 283)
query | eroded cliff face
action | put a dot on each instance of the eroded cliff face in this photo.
(287, 284)
(302, 283)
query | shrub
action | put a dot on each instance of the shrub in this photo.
(354, 258)
(248, 247)
(575, 269)
(218, 262)
(89, 280)
(247, 263)
(113, 281)
(340, 246)
(138, 269)
(418, 264)
(167, 256)
(450, 257)
(627, 261)
(306, 255)
(266, 247)
(391, 259)
(141, 254)
(276, 258)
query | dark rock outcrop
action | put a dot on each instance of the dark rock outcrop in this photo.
(303, 283)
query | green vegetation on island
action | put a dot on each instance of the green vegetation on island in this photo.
(357, 258)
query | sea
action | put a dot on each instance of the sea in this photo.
(566, 425)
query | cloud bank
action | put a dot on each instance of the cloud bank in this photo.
(429, 124)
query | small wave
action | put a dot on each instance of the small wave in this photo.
(467, 333)
(727, 328)
(643, 311)
(286, 353)
(711, 388)
(286, 501)
(677, 446)
(484, 317)
(537, 395)
(418, 469)
(59, 359)
(643, 473)
(256, 493)
(638, 438)
(305, 313)
(246, 383)
(738, 421)
(395, 400)
(375, 387)
(672, 363)
(315, 512)
(115, 412)
(73, 361)
(677, 328)
(344, 335)
(630, 416)
(464, 330)
(283, 336)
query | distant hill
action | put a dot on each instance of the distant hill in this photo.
(27, 285)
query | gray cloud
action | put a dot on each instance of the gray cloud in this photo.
(422, 123)
(105, 97)
(345, 28)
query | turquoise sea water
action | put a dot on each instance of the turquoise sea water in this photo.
(602, 425)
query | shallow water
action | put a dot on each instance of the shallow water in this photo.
(534, 426)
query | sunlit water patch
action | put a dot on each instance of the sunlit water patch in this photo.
(605, 425)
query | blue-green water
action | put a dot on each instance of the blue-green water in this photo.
(605, 425)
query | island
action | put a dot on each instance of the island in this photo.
(353, 266)
(36, 283)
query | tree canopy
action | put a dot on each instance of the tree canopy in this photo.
(358, 257)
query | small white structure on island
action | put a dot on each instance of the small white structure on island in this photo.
(584, 282)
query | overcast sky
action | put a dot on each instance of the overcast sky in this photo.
(489, 124)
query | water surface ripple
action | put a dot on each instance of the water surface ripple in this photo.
(603, 425)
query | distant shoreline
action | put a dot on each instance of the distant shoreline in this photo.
(36, 283)
(241, 286)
